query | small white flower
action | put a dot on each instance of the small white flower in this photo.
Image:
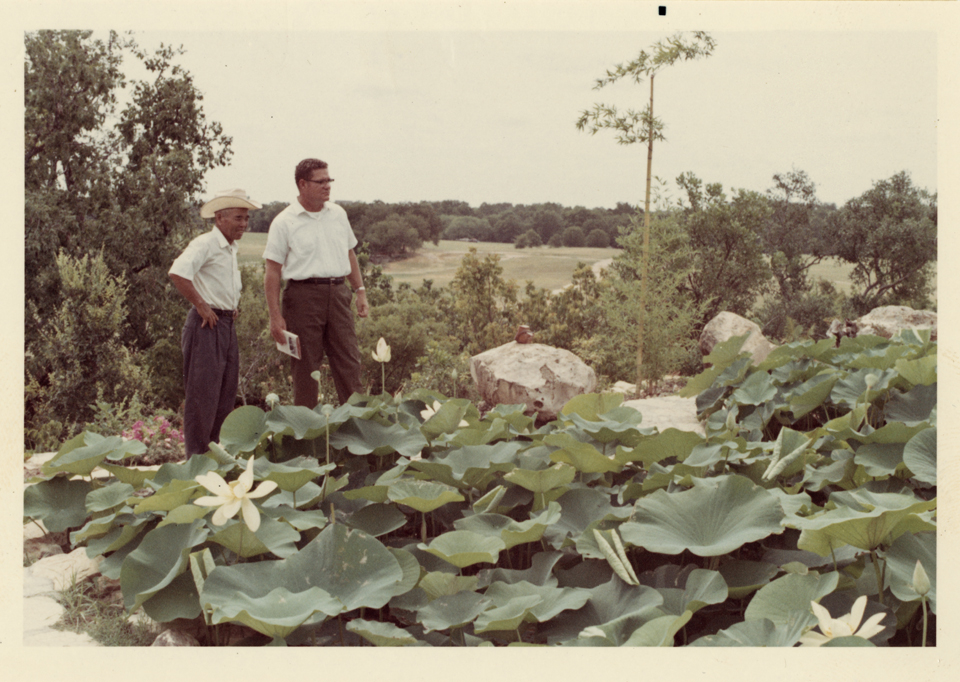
(844, 626)
(234, 497)
(382, 353)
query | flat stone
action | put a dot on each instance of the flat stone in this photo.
(668, 412)
(63, 569)
(34, 585)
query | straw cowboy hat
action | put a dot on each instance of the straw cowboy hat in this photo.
(228, 198)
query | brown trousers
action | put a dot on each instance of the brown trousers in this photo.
(321, 315)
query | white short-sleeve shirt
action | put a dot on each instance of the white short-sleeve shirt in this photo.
(311, 244)
(210, 262)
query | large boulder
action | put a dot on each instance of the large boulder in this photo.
(541, 377)
(888, 320)
(727, 325)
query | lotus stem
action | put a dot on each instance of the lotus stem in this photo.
(923, 604)
(876, 568)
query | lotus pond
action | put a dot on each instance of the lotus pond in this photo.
(804, 516)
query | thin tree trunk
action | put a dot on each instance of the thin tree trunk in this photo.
(646, 241)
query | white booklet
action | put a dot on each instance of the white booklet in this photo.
(292, 346)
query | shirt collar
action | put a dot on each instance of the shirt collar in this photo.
(222, 241)
(298, 207)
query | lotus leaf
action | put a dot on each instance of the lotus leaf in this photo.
(272, 536)
(708, 520)
(109, 496)
(880, 459)
(464, 548)
(865, 520)
(424, 496)
(169, 497)
(489, 502)
(624, 607)
(453, 611)
(439, 584)
(811, 394)
(901, 561)
(446, 419)
(920, 456)
(756, 390)
(787, 599)
(852, 389)
(539, 573)
(671, 443)
(591, 406)
(377, 519)
(244, 593)
(187, 471)
(506, 616)
(550, 601)
(659, 631)
(81, 460)
(243, 429)
(542, 480)
(699, 588)
(363, 437)
(299, 519)
(292, 474)
(579, 508)
(381, 634)
(60, 503)
(512, 532)
(583, 456)
(116, 538)
(745, 577)
(756, 633)
(919, 372)
(620, 424)
(162, 555)
(720, 358)
(296, 420)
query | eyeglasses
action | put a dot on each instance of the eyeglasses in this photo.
(320, 182)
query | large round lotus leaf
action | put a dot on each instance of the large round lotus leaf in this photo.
(710, 519)
(292, 474)
(901, 561)
(659, 631)
(465, 548)
(272, 536)
(381, 634)
(920, 456)
(440, 584)
(243, 429)
(916, 406)
(669, 443)
(424, 496)
(179, 599)
(258, 596)
(352, 566)
(59, 503)
(377, 519)
(761, 632)
(788, 598)
(512, 532)
(83, 454)
(863, 519)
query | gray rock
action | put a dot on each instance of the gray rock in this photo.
(175, 638)
(888, 320)
(541, 377)
(725, 326)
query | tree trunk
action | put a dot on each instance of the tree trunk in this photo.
(646, 241)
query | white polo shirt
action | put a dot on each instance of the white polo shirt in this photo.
(311, 244)
(210, 262)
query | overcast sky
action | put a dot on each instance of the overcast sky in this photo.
(448, 111)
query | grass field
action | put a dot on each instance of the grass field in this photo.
(549, 268)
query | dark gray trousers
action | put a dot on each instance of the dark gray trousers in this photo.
(320, 314)
(211, 376)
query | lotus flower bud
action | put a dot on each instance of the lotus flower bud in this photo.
(921, 583)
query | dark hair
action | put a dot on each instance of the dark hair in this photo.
(306, 167)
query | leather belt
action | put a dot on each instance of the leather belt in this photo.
(224, 313)
(319, 280)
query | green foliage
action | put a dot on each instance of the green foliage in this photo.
(573, 236)
(530, 238)
(483, 303)
(434, 525)
(724, 237)
(890, 234)
(598, 239)
(78, 358)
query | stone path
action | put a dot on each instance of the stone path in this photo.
(668, 412)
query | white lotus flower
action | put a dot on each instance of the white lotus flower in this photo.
(383, 351)
(234, 497)
(844, 626)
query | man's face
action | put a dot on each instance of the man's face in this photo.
(316, 189)
(232, 222)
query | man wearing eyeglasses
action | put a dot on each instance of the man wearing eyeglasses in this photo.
(311, 246)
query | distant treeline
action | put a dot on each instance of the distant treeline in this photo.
(397, 229)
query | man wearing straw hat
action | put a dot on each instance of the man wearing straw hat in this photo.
(207, 275)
